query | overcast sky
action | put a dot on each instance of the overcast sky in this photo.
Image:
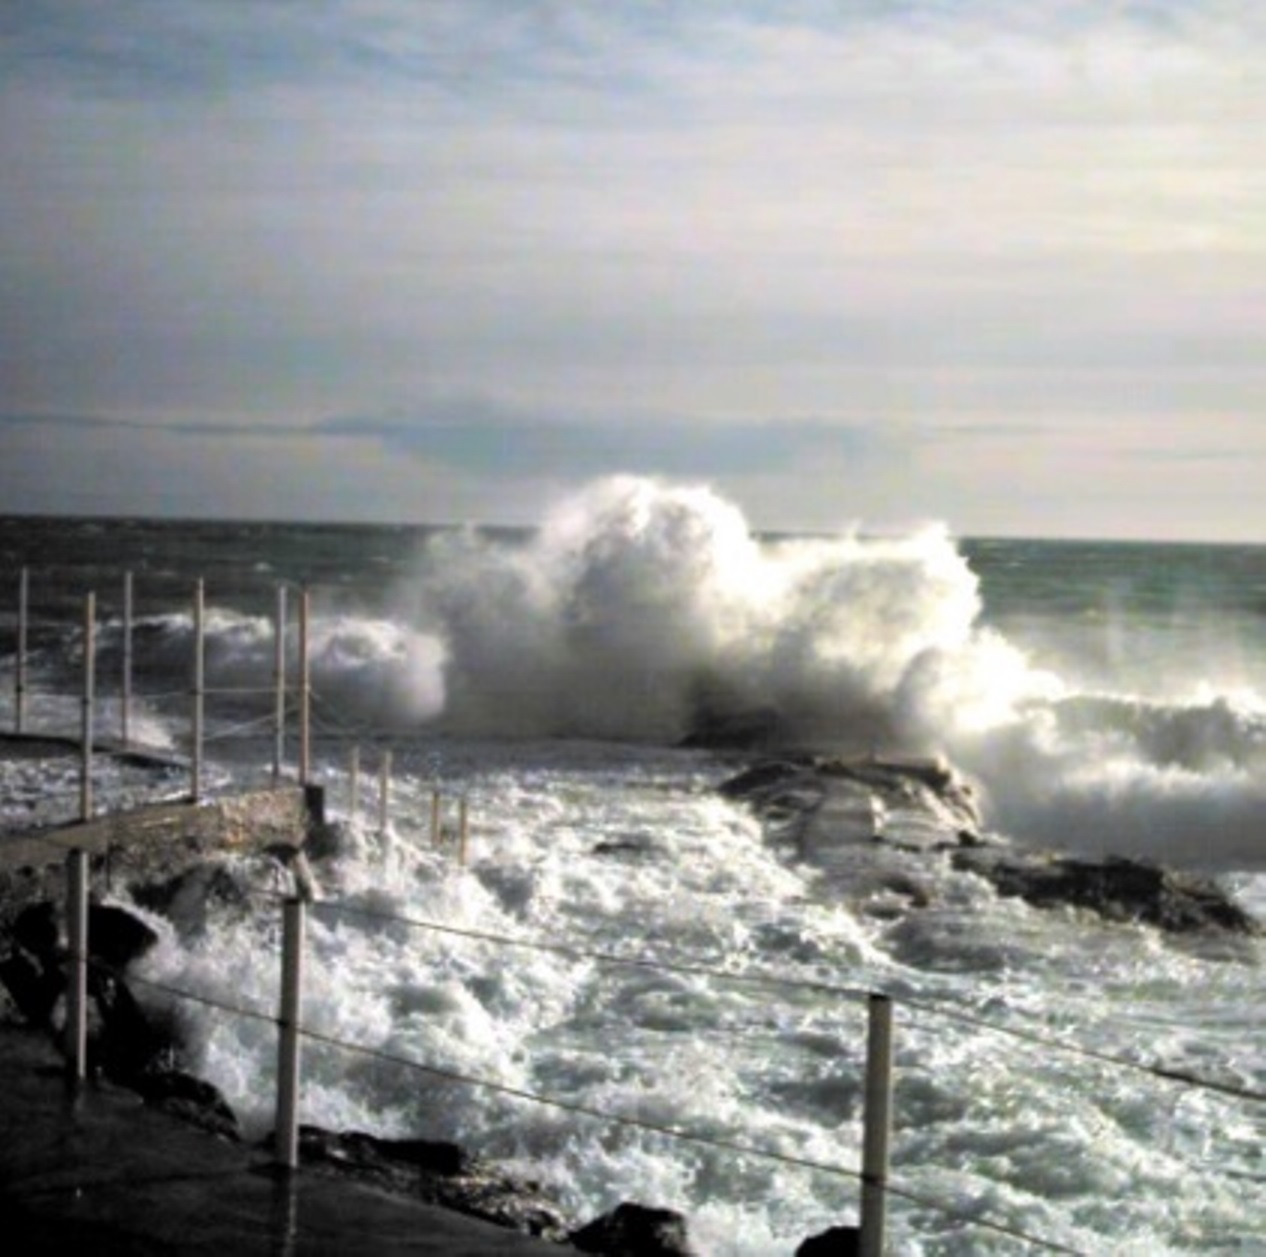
(1001, 264)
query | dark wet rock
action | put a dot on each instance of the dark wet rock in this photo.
(116, 937)
(748, 730)
(1117, 889)
(632, 1230)
(36, 930)
(191, 1099)
(836, 1241)
(133, 1046)
(757, 781)
(356, 1148)
(816, 802)
(438, 1173)
(232, 885)
(33, 989)
(636, 847)
(869, 824)
(125, 1041)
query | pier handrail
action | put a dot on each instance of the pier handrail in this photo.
(287, 1018)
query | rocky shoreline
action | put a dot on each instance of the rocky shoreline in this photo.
(885, 819)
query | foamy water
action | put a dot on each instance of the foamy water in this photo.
(598, 641)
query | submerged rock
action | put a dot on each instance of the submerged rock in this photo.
(439, 1173)
(632, 1230)
(836, 1241)
(862, 821)
(820, 806)
(1117, 889)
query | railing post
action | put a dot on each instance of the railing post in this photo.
(384, 793)
(353, 790)
(877, 1125)
(305, 689)
(199, 688)
(85, 724)
(19, 676)
(287, 1135)
(279, 683)
(77, 978)
(125, 701)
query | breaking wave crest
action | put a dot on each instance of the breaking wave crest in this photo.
(650, 612)
(643, 611)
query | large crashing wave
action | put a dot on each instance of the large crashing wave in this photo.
(642, 611)
(646, 611)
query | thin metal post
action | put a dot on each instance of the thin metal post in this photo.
(125, 702)
(877, 1125)
(463, 828)
(305, 689)
(19, 677)
(279, 682)
(287, 1136)
(436, 832)
(199, 689)
(384, 792)
(89, 694)
(353, 803)
(77, 978)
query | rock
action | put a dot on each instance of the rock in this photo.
(632, 1230)
(188, 898)
(755, 782)
(357, 1148)
(836, 1241)
(821, 804)
(33, 988)
(863, 821)
(438, 1173)
(1117, 889)
(190, 1099)
(116, 937)
(636, 847)
(35, 930)
(746, 730)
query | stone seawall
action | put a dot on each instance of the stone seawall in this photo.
(157, 842)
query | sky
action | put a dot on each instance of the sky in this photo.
(851, 262)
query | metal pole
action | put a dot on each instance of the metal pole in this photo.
(353, 804)
(384, 793)
(19, 679)
(77, 978)
(199, 687)
(305, 690)
(436, 834)
(279, 681)
(287, 1136)
(463, 828)
(877, 1125)
(125, 711)
(90, 682)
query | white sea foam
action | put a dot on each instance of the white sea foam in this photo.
(618, 850)
(637, 609)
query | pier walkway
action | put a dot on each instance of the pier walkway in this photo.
(94, 1166)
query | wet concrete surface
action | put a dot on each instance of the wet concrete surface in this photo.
(93, 1166)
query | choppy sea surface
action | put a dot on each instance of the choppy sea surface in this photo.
(1105, 698)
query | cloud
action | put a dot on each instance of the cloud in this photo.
(477, 438)
(777, 229)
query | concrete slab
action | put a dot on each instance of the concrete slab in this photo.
(95, 1166)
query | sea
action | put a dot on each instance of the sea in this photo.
(621, 984)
